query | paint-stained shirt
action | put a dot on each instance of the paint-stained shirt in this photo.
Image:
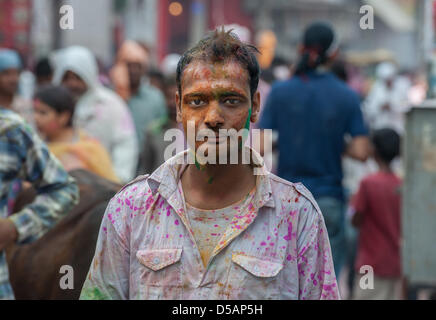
(209, 225)
(277, 248)
(23, 156)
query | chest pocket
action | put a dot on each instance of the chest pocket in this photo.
(162, 267)
(254, 278)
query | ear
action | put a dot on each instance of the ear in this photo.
(255, 107)
(64, 118)
(178, 107)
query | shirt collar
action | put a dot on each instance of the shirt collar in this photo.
(165, 179)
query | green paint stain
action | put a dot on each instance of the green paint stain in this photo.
(93, 294)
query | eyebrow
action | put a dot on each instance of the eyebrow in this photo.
(219, 94)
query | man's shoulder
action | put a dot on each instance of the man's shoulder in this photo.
(296, 188)
(10, 120)
(136, 186)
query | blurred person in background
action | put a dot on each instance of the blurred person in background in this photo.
(377, 206)
(387, 100)
(312, 113)
(25, 157)
(100, 112)
(154, 149)
(156, 79)
(145, 102)
(10, 69)
(54, 111)
(43, 72)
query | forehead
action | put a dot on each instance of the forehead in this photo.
(215, 74)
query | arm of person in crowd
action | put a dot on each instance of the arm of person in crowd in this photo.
(359, 204)
(57, 191)
(108, 276)
(317, 277)
(124, 151)
(358, 148)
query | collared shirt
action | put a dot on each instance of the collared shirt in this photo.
(276, 249)
(23, 156)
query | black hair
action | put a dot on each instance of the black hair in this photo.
(43, 68)
(386, 144)
(221, 45)
(317, 40)
(58, 98)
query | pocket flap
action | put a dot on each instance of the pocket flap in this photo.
(258, 267)
(158, 259)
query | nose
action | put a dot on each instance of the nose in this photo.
(214, 117)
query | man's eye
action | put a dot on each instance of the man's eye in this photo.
(196, 102)
(232, 101)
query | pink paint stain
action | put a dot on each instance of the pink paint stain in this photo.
(288, 237)
(263, 243)
(176, 222)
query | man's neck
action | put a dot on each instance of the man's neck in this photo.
(217, 186)
(6, 100)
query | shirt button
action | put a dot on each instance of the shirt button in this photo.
(156, 260)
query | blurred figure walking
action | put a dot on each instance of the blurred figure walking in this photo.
(145, 101)
(387, 100)
(312, 113)
(377, 215)
(99, 111)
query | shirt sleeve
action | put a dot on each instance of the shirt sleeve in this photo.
(317, 279)
(268, 116)
(356, 125)
(57, 191)
(108, 276)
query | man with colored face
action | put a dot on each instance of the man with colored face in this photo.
(213, 229)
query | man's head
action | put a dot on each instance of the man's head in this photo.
(386, 143)
(74, 83)
(10, 66)
(319, 46)
(136, 58)
(217, 85)
(43, 72)
(76, 68)
(54, 110)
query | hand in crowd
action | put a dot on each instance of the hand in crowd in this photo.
(8, 233)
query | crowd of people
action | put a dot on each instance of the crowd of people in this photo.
(343, 145)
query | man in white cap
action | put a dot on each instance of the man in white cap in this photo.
(386, 102)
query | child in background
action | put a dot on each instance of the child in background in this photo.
(377, 206)
(54, 109)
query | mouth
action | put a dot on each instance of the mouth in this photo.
(216, 140)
